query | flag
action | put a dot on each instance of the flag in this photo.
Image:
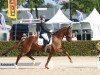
(30, 16)
(79, 15)
(12, 8)
(3, 23)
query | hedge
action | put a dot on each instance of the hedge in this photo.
(74, 48)
(81, 48)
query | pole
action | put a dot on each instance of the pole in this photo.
(15, 30)
(16, 24)
(70, 9)
(85, 35)
(81, 31)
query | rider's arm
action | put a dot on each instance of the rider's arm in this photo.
(44, 27)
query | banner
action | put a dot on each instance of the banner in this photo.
(12, 8)
(3, 23)
(30, 16)
(79, 15)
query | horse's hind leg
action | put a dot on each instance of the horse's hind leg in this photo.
(19, 56)
(30, 56)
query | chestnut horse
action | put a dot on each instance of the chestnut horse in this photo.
(30, 45)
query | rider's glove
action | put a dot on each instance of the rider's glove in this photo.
(50, 31)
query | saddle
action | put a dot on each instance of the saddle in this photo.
(41, 40)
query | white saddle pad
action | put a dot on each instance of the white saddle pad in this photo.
(40, 41)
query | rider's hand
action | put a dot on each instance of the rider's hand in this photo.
(50, 31)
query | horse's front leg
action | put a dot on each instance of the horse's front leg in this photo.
(68, 56)
(49, 57)
(66, 53)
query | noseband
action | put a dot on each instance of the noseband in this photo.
(68, 37)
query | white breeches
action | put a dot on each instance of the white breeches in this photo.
(45, 36)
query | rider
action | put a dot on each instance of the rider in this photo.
(44, 32)
(24, 36)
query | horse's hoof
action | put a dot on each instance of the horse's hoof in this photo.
(46, 67)
(71, 61)
(16, 66)
(33, 62)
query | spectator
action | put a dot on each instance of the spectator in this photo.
(74, 37)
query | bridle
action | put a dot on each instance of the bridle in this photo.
(68, 37)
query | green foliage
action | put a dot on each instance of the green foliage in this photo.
(49, 5)
(34, 4)
(81, 48)
(74, 48)
(3, 4)
(4, 45)
(85, 6)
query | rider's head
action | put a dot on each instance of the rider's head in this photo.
(42, 18)
(24, 35)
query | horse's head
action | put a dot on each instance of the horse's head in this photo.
(68, 34)
(65, 31)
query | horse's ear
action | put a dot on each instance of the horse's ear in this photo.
(69, 27)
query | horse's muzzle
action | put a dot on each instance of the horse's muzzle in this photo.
(69, 39)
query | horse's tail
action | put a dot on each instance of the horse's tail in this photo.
(11, 48)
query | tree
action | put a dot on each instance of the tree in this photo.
(97, 4)
(82, 5)
(49, 5)
(34, 4)
(4, 3)
(85, 6)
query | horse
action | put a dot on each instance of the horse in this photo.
(31, 46)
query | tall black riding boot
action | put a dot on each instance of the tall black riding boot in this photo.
(45, 43)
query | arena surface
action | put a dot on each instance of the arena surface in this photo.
(82, 65)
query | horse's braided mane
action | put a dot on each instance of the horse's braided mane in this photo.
(59, 31)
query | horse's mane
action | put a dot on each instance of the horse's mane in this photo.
(59, 31)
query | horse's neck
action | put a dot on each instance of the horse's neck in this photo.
(59, 35)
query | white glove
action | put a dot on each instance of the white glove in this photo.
(50, 31)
